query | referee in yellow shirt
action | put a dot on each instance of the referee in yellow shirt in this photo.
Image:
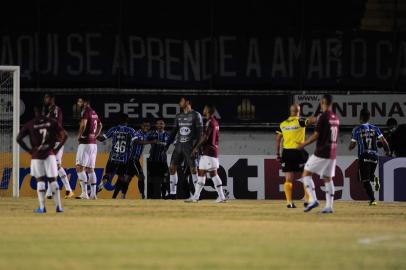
(292, 131)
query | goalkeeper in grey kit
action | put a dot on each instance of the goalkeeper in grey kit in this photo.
(187, 130)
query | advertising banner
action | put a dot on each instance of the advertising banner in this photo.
(236, 110)
(348, 107)
(253, 177)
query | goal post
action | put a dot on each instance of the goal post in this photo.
(9, 128)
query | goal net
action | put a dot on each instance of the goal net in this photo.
(9, 127)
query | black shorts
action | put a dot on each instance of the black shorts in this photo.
(118, 168)
(183, 152)
(157, 169)
(367, 164)
(134, 168)
(293, 160)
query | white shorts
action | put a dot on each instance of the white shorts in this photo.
(86, 155)
(208, 163)
(59, 154)
(321, 166)
(44, 167)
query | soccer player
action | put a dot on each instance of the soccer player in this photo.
(43, 133)
(121, 136)
(134, 168)
(209, 160)
(157, 161)
(366, 137)
(323, 161)
(53, 111)
(187, 130)
(292, 131)
(89, 130)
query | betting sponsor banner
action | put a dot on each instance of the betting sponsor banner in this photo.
(392, 172)
(251, 177)
(348, 107)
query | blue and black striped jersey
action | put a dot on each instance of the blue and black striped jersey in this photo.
(366, 137)
(157, 152)
(122, 137)
(137, 149)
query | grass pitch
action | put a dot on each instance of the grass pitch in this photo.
(135, 234)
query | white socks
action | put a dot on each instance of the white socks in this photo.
(329, 186)
(219, 187)
(201, 180)
(92, 181)
(56, 194)
(173, 181)
(309, 185)
(41, 194)
(83, 182)
(64, 178)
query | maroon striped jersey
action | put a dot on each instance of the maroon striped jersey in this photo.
(327, 127)
(43, 133)
(89, 134)
(212, 129)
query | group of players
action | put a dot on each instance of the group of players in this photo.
(194, 145)
(297, 166)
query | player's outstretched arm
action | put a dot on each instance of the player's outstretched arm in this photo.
(173, 133)
(279, 138)
(64, 136)
(82, 128)
(20, 141)
(203, 139)
(309, 140)
(385, 145)
(352, 145)
(99, 128)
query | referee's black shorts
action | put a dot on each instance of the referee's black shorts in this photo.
(293, 160)
(367, 164)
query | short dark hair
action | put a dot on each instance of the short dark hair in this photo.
(328, 99)
(211, 108)
(365, 115)
(49, 94)
(188, 99)
(145, 120)
(160, 119)
(38, 107)
(85, 99)
(122, 117)
(391, 122)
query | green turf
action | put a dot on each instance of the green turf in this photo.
(136, 234)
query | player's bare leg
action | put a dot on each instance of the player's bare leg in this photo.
(119, 185)
(329, 190)
(310, 188)
(82, 176)
(125, 185)
(92, 182)
(41, 195)
(173, 180)
(56, 194)
(288, 187)
(306, 196)
(193, 172)
(64, 178)
(202, 181)
(104, 180)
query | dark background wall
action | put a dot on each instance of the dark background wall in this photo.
(291, 44)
